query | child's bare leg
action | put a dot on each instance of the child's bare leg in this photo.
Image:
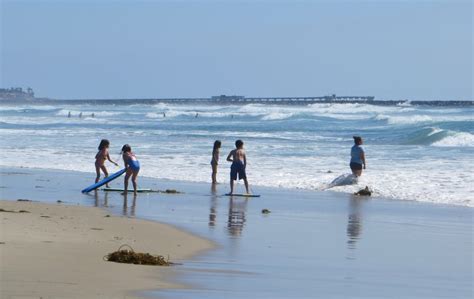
(246, 185)
(97, 172)
(125, 182)
(134, 182)
(214, 174)
(106, 174)
(231, 186)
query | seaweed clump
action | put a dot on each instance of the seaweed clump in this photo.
(172, 191)
(131, 257)
(364, 192)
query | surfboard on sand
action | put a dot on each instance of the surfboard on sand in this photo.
(129, 190)
(104, 181)
(242, 195)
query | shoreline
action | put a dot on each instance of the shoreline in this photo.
(283, 189)
(56, 251)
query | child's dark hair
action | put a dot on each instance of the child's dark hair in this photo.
(357, 139)
(126, 148)
(103, 144)
(217, 144)
(239, 143)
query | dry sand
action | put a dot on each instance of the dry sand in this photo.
(56, 251)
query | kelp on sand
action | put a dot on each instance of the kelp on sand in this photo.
(129, 256)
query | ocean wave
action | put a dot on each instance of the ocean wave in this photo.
(404, 104)
(154, 115)
(421, 118)
(277, 116)
(350, 108)
(28, 108)
(438, 137)
(456, 139)
(404, 120)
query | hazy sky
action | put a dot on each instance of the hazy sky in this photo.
(150, 49)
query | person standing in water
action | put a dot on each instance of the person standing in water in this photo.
(133, 167)
(215, 160)
(357, 157)
(100, 158)
(239, 163)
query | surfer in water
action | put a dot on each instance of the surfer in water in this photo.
(357, 157)
(133, 167)
(239, 163)
(100, 157)
(215, 160)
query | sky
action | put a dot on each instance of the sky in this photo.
(419, 50)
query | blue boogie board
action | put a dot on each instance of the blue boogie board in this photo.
(104, 181)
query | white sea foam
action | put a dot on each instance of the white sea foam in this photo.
(419, 119)
(154, 115)
(405, 120)
(27, 107)
(435, 131)
(404, 104)
(457, 139)
(277, 116)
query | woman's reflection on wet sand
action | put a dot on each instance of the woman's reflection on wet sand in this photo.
(354, 222)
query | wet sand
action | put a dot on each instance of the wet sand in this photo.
(311, 245)
(56, 251)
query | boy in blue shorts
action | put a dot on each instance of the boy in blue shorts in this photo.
(239, 163)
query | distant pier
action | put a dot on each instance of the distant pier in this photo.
(285, 100)
(291, 100)
(231, 100)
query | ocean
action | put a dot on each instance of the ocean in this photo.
(414, 153)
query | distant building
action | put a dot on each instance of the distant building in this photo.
(16, 93)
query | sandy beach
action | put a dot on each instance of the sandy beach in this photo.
(312, 244)
(57, 250)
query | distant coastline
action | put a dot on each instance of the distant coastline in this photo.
(18, 95)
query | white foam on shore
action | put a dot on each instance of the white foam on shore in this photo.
(451, 184)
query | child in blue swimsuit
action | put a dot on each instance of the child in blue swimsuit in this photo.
(133, 167)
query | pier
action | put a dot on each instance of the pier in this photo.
(238, 100)
(291, 100)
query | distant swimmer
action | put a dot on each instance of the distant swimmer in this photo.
(239, 164)
(196, 116)
(92, 115)
(69, 114)
(215, 160)
(80, 115)
(357, 156)
(164, 115)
